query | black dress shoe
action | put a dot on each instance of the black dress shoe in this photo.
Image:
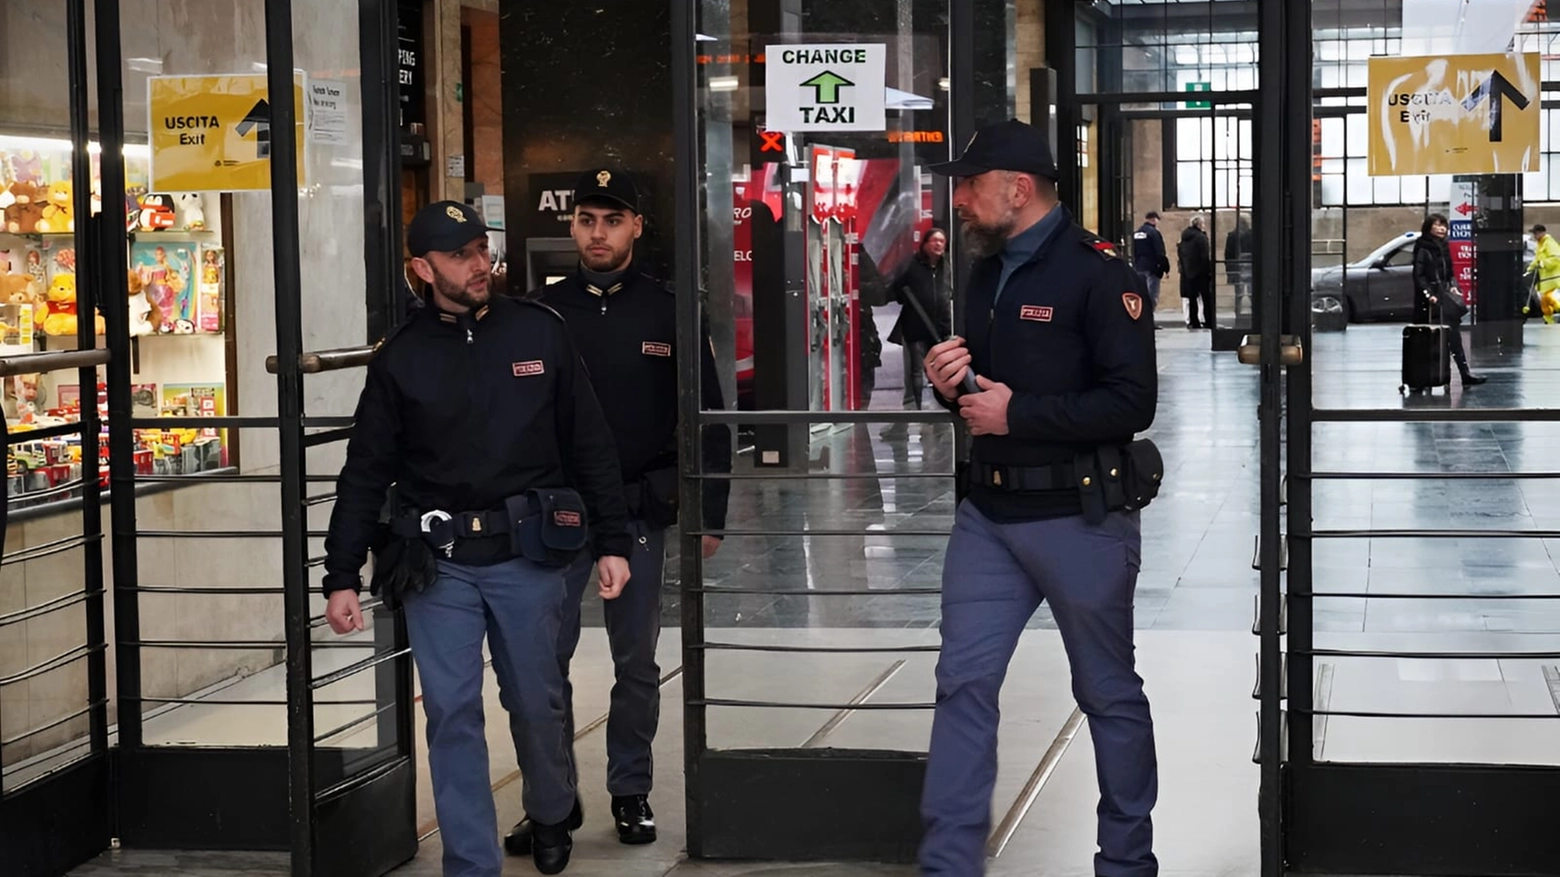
(635, 821)
(551, 846)
(1472, 380)
(518, 841)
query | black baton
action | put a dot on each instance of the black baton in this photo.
(968, 385)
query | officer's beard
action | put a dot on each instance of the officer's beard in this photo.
(988, 239)
(461, 293)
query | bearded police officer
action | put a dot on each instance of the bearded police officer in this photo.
(1061, 346)
(624, 322)
(479, 411)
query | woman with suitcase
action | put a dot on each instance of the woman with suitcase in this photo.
(1438, 296)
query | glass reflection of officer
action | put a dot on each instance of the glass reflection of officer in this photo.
(476, 407)
(1061, 340)
(624, 322)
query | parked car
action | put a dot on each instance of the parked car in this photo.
(1379, 287)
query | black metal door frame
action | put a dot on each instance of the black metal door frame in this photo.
(339, 811)
(1339, 817)
(56, 821)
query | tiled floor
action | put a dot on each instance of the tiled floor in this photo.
(1195, 606)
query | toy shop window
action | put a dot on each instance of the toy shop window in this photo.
(182, 351)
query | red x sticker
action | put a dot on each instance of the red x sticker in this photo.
(1133, 303)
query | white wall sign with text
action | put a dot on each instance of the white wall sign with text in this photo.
(829, 87)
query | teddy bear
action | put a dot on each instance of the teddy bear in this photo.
(145, 316)
(58, 315)
(59, 209)
(23, 203)
(16, 289)
(192, 210)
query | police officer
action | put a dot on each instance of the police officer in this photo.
(477, 408)
(1148, 255)
(1061, 344)
(624, 322)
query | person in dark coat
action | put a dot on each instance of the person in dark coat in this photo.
(1237, 262)
(1195, 256)
(926, 278)
(1436, 298)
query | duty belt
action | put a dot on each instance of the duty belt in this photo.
(1056, 476)
(440, 529)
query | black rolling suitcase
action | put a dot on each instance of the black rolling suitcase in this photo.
(1427, 357)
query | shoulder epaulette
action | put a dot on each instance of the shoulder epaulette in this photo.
(1106, 249)
(395, 330)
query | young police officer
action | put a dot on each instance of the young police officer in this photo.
(625, 324)
(479, 411)
(1062, 343)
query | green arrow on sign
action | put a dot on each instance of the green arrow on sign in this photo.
(826, 87)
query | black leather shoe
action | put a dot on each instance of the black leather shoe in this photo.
(635, 821)
(551, 846)
(1473, 380)
(518, 841)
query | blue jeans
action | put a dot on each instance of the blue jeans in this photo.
(518, 606)
(994, 578)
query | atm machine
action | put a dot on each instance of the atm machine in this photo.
(550, 254)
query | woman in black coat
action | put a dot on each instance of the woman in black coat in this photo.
(1434, 284)
(926, 278)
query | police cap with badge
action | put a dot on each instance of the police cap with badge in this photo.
(444, 227)
(1108, 477)
(607, 187)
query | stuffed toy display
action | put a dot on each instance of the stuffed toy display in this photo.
(23, 204)
(58, 316)
(59, 209)
(192, 211)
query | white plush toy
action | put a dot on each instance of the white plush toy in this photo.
(192, 210)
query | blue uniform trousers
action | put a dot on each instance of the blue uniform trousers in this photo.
(994, 578)
(633, 629)
(518, 606)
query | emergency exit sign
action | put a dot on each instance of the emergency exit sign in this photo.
(825, 87)
(1199, 104)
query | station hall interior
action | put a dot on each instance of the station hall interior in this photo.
(1345, 612)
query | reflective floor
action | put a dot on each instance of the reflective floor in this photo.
(1195, 607)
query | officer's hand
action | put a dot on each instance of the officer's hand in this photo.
(343, 612)
(986, 412)
(611, 576)
(711, 545)
(945, 365)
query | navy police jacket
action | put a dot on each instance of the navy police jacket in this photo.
(627, 336)
(461, 412)
(1073, 336)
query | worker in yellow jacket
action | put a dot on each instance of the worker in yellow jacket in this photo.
(1546, 269)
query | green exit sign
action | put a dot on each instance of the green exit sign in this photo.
(1199, 104)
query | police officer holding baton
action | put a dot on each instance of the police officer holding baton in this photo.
(478, 409)
(624, 322)
(1061, 349)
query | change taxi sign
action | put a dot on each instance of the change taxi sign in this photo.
(213, 133)
(1454, 114)
(828, 87)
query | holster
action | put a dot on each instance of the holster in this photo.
(548, 525)
(1118, 478)
(401, 565)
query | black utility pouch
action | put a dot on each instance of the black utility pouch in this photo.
(1112, 477)
(658, 495)
(1145, 472)
(548, 525)
(1091, 492)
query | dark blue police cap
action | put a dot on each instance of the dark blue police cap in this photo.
(444, 227)
(1004, 146)
(607, 185)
